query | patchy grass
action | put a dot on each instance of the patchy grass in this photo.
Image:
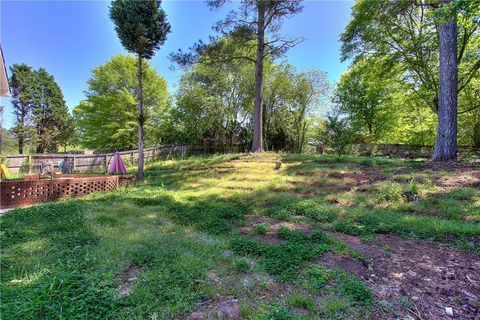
(182, 231)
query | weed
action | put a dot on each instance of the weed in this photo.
(242, 266)
(261, 228)
(390, 192)
(277, 312)
(300, 300)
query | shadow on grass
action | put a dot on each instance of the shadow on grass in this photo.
(51, 269)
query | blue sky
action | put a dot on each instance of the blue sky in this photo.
(70, 38)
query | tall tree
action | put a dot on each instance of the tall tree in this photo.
(311, 90)
(107, 119)
(22, 82)
(142, 28)
(446, 145)
(408, 34)
(49, 111)
(255, 26)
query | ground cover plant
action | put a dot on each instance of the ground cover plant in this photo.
(227, 236)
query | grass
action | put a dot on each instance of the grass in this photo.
(182, 230)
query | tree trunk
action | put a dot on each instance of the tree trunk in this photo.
(257, 145)
(140, 121)
(446, 145)
(304, 132)
(20, 145)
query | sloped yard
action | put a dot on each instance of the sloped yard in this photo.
(230, 237)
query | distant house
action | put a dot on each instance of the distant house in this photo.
(4, 88)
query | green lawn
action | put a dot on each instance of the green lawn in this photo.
(227, 234)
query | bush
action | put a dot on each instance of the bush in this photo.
(338, 134)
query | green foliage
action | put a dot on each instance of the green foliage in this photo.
(107, 119)
(354, 289)
(67, 258)
(261, 228)
(316, 278)
(315, 211)
(247, 246)
(299, 300)
(405, 36)
(364, 94)
(215, 104)
(26, 165)
(242, 266)
(278, 312)
(141, 25)
(391, 192)
(284, 260)
(40, 111)
(338, 134)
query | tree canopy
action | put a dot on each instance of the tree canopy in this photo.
(107, 119)
(39, 108)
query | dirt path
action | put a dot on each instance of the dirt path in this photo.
(418, 278)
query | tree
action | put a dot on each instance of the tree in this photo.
(39, 108)
(446, 145)
(142, 28)
(364, 94)
(22, 80)
(49, 111)
(338, 133)
(406, 33)
(215, 103)
(311, 91)
(66, 132)
(254, 25)
(107, 119)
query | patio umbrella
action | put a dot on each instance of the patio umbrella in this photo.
(116, 164)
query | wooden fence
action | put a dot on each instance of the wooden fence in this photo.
(99, 162)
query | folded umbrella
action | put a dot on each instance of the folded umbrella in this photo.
(116, 164)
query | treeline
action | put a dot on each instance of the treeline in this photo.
(212, 105)
(390, 94)
(41, 115)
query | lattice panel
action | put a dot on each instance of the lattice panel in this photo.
(18, 193)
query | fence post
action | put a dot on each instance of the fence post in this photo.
(74, 165)
(29, 164)
(106, 162)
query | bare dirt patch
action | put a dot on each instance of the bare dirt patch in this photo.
(273, 226)
(469, 178)
(221, 308)
(431, 276)
(126, 280)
